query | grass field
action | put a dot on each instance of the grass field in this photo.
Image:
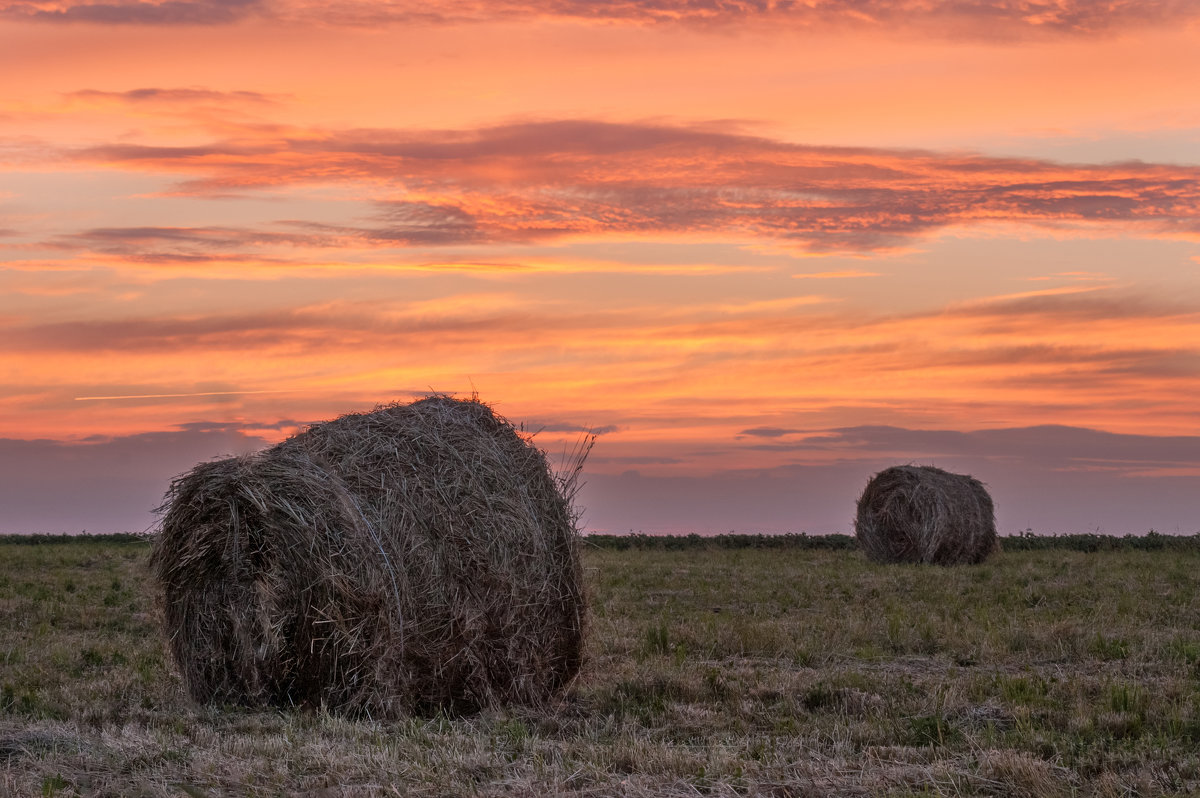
(710, 672)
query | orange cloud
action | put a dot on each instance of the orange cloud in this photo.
(673, 379)
(570, 179)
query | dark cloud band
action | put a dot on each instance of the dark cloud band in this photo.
(981, 19)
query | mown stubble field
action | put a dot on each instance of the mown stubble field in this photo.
(710, 672)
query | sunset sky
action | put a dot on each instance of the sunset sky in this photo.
(763, 248)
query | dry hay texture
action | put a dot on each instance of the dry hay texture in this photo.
(922, 514)
(417, 559)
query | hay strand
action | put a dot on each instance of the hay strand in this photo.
(922, 514)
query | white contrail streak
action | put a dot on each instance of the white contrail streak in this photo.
(173, 395)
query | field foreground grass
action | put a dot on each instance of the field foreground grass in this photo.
(710, 672)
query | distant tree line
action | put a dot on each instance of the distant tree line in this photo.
(82, 537)
(1026, 541)
(733, 540)
(1151, 541)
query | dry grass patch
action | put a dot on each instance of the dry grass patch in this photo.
(791, 689)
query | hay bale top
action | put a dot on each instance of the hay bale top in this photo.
(922, 514)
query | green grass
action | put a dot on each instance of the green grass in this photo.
(785, 672)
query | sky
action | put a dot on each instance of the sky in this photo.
(761, 248)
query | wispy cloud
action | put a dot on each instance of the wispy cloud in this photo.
(1050, 327)
(172, 96)
(544, 181)
(133, 12)
(769, 432)
(287, 425)
(169, 395)
(984, 19)
(1049, 446)
(1106, 357)
(566, 426)
(197, 244)
(845, 274)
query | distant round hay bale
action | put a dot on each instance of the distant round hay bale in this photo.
(415, 559)
(922, 514)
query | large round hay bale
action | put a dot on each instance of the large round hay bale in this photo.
(415, 559)
(922, 514)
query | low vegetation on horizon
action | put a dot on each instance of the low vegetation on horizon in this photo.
(795, 669)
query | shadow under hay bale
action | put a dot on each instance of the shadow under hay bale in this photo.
(415, 559)
(922, 514)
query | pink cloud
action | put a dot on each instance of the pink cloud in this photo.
(551, 180)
